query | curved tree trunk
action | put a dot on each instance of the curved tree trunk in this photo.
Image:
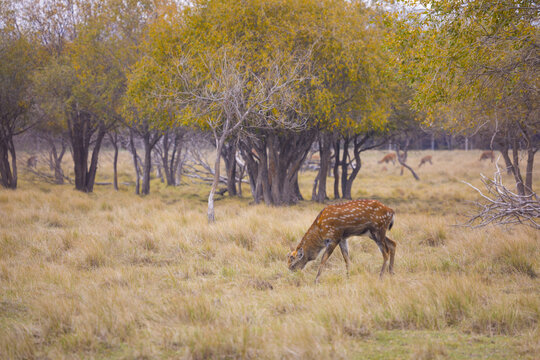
(403, 157)
(55, 160)
(507, 161)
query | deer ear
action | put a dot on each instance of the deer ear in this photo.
(300, 253)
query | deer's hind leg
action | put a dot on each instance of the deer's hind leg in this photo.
(379, 238)
(345, 252)
(391, 246)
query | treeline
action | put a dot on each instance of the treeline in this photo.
(266, 81)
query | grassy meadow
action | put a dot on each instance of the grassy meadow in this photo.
(111, 275)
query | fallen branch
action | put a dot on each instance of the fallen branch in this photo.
(46, 177)
(501, 206)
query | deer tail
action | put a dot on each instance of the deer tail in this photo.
(391, 222)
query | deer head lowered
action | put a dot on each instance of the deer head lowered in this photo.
(387, 158)
(335, 223)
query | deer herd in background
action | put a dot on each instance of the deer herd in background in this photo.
(392, 158)
(32, 161)
(428, 158)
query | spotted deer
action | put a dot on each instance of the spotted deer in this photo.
(336, 223)
(426, 159)
(487, 155)
(387, 158)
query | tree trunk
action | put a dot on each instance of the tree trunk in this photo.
(135, 162)
(345, 167)
(13, 162)
(252, 168)
(80, 155)
(529, 171)
(215, 182)
(517, 172)
(178, 166)
(55, 160)
(92, 171)
(277, 161)
(264, 175)
(347, 191)
(8, 174)
(336, 168)
(507, 160)
(147, 165)
(115, 162)
(81, 131)
(402, 163)
(229, 156)
(358, 146)
(296, 187)
(170, 154)
(325, 144)
(241, 176)
(163, 153)
(273, 171)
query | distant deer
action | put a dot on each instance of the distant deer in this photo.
(425, 159)
(336, 223)
(487, 155)
(32, 162)
(387, 158)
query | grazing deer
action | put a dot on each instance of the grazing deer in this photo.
(387, 158)
(336, 223)
(32, 162)
(487, 155)
(425, 159)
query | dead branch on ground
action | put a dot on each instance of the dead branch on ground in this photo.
(501, 206)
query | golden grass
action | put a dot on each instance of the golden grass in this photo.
(112, 275)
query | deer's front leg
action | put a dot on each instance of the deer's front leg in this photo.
(330, 246)
(345, 252)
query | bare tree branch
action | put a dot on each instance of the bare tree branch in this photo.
(501, 206)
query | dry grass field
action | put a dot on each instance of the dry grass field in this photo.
(110, 275)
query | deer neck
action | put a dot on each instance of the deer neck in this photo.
(312, 242)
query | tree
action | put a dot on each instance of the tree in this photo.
(268, 76)
(90, 45)
(481, 56)
(228, 95)
(16, 67)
